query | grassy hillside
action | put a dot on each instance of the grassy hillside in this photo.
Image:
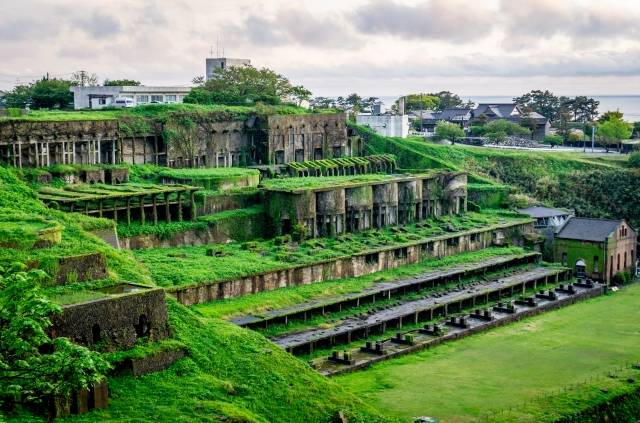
(465, 380)
(593, 186)
(231, 375)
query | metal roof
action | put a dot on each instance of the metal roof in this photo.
(586, 229)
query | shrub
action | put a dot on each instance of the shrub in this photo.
(622, 278)
(634, 160)
(552, 140)
(448, 131)
(299, 233)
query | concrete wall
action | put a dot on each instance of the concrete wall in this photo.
(356, 265)
(308, 137)
(386, 125)
(114, 323)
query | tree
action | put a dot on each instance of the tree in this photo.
(448, 131)
(610, 115)
(636, 130)
(543, 102)
(42, 94)
(84, 79)
(32, 366)
(613, 131)
(121, 83)
(246, 85)
(506, 127)
(323, 103)
(419, 102)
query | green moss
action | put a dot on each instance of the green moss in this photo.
(319, 182)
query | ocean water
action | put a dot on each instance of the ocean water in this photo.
(629, 105)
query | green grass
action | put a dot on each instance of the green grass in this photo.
(146, 111)
(269, 300)
(210, 172)
(242, 259)
(231, 374)
(320, 182)
(507, 366)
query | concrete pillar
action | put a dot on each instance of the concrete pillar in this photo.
(192, 204)
(154, 210)
(113, 152)
(166, 207)
(141, 204)
(179, 206)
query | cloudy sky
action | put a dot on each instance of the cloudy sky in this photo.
(382, 48)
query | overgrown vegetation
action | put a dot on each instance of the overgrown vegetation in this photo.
(222, 262)
(34, 368)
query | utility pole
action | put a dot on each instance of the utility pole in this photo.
(593, 137)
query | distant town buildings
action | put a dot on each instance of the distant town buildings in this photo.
(106, 96)
(214, 63)
(484, 113)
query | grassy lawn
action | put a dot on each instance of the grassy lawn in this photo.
(463, 380)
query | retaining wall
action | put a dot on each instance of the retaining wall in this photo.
(356, 265)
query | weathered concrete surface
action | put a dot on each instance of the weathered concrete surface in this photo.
(116, 322)
(419, 310)
(81, 268)
(355, 265)
(423, 341)
(384, 290)
(156, 362)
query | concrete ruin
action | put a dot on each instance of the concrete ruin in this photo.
(350, 207)
(356, 265)
(115, 322)
(212, 140)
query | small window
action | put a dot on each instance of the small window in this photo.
(142, 99)
(371, 258)
(564, 259)
(157, 98)
(280, 157)
(337, 152)
(170, 99)
(400, 253)
(596, 267)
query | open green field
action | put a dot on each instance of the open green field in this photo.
(464, 380)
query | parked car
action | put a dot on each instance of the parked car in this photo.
(124, 102)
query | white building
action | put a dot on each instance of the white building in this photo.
(100, 97)
(214, 63)
(386, 125)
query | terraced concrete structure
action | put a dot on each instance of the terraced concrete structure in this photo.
(454, 328)
(349, 205)
(358, 264)
(420, 310)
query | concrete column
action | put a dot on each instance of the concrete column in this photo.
(128, 210)
(155, 209)
(113, 152)
(141, 204)
(180, 207)
(192, 204)
(166, 207)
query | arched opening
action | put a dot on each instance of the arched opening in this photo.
(142, 328)
(580, 268)
(95, 333)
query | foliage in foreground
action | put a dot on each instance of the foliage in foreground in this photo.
(28, 374)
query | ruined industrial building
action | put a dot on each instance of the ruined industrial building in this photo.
(228, 205)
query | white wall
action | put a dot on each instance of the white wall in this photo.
(386, 125)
